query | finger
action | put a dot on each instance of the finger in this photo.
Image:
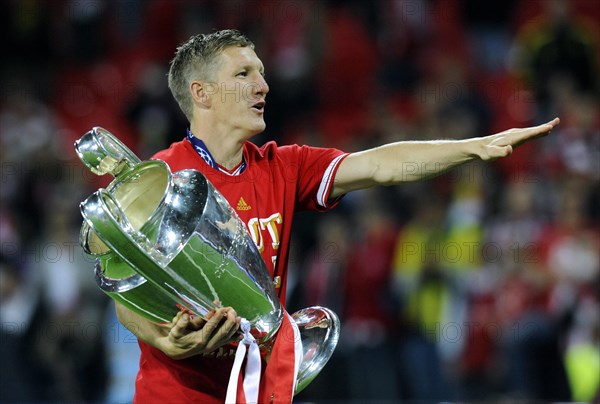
(225, 317)
(501, 151)
(536, 131)
(231, 313)
(223, 314)
(554, 123)
(225, 331)
(213, 323)
(210, 314)
(493, 152)
(233, 322)
(236, 336)
(196, 323)
(179, 328)
(177, 317)
(548, 126)
(233, 334)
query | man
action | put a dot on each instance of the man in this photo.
(219, 83)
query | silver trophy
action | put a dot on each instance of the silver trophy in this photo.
(167, 241)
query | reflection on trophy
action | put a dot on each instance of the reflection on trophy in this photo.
(167, 241)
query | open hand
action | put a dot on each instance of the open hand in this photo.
(502, 144)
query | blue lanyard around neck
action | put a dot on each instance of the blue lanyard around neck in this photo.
(203, 152)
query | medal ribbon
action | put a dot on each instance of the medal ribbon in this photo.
(203, 152)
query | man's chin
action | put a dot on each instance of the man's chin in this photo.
(258, 129)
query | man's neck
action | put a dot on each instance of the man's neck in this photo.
(227, 151)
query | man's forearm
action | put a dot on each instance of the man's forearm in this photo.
(142, 328)
(400, 162)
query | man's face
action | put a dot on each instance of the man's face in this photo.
(238, 91)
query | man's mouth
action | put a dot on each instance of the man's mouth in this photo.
(259, 106)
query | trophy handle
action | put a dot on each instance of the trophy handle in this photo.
(93, 246)
(114, 285)
(90, 242)
(319, 332)
(103, 153)
(108, 221)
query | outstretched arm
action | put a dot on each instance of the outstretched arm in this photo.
(399, 162)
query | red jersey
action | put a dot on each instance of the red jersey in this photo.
(277, 182)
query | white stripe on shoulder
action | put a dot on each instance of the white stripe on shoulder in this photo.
(327, 181)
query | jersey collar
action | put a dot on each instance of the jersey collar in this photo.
(203, 152)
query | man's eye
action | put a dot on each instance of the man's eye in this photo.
(242, 74)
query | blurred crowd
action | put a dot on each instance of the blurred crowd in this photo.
(481, 284)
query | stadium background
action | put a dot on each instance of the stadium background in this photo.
(479, 285)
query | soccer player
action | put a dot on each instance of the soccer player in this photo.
(218, 81)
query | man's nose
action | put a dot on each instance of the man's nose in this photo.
(262, 88)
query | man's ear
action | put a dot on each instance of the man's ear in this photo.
(200, 93)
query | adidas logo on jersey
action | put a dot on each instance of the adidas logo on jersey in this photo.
(242, 205)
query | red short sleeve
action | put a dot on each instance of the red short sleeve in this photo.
(316, 168)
